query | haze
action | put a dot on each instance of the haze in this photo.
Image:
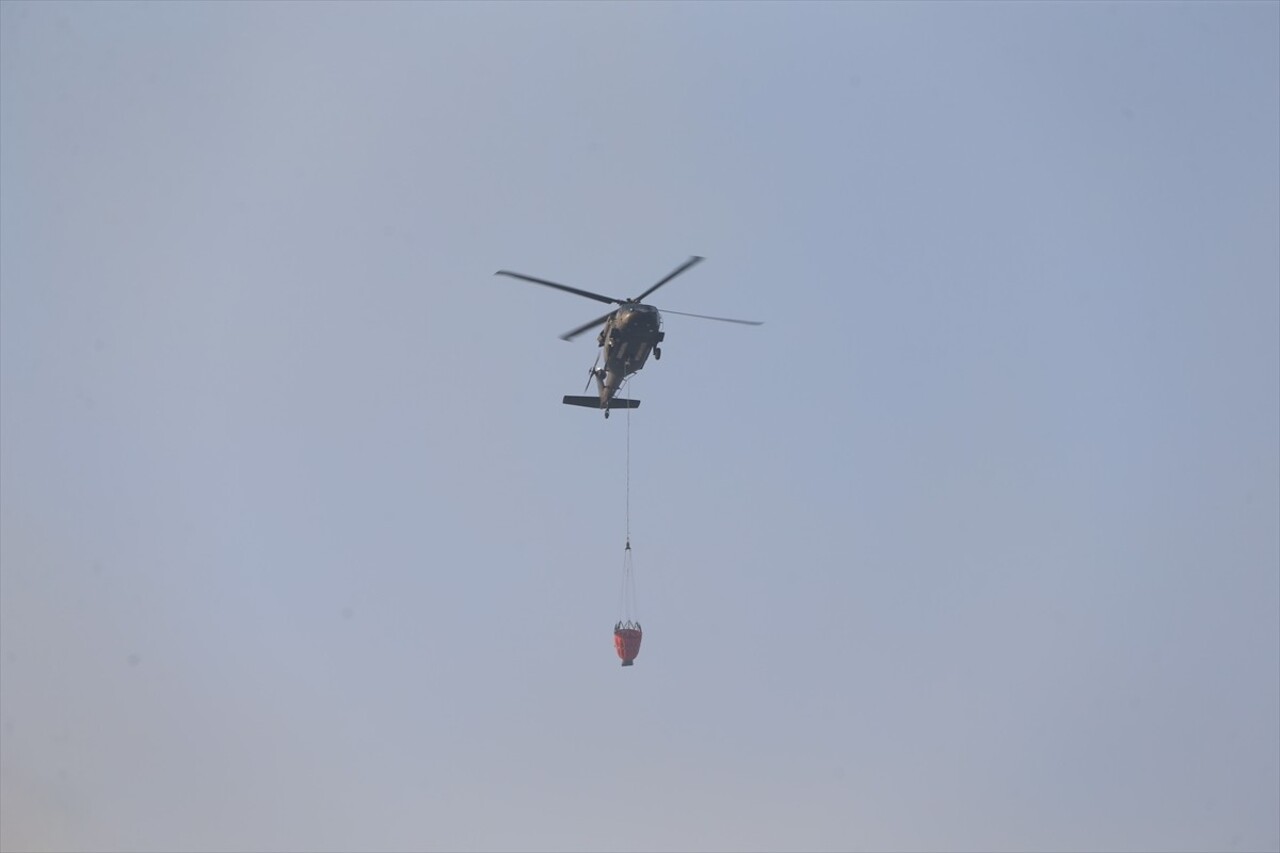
(972, 546)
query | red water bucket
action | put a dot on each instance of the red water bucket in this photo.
(626, 639)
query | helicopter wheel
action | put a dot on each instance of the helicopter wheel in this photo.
(606, 414)
(657, 353)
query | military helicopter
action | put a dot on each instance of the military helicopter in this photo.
(631, 331)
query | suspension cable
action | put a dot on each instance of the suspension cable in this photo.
(628, 477)
(627, 603)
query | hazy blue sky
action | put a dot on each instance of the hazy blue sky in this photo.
(974, 545)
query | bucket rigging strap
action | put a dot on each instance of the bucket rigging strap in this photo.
(628, 608)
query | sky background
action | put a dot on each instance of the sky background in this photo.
(974, 545)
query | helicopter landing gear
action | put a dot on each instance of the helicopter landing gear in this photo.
(657, 353)
(606, 414)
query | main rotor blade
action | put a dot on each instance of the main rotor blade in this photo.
(691, 262)
(722, 319)
(587, 293)
(568, 336)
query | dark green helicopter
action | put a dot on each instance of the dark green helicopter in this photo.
(631, 331)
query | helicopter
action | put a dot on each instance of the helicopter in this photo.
(631, 331)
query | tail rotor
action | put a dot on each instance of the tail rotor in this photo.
(591, 374)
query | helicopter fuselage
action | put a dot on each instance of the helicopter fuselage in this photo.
(629, 335)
